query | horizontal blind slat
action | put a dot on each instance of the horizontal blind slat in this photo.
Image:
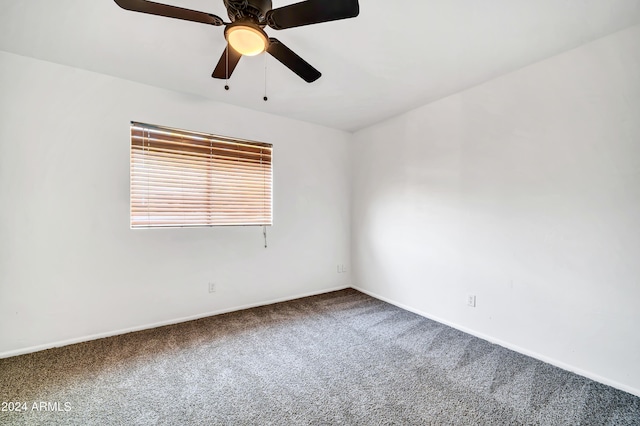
(152, 151)
(197, 165)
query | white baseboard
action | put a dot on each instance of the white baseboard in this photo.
(507, 345)
(58, 344)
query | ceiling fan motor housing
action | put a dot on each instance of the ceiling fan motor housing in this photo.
(254, 10)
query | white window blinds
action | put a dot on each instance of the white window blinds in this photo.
(181, 178)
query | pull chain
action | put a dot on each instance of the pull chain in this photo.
(265, 78)
(226, 80)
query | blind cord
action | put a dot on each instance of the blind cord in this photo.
(264, 232)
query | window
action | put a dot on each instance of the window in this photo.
(181, 178)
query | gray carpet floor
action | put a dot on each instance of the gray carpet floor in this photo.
(338, 358)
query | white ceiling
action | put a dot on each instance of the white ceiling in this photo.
(395, 56)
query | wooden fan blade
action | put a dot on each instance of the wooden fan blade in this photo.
(312, 12)
(159, 9)
(292, 61)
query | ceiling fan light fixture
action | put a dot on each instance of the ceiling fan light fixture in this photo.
(248, 40)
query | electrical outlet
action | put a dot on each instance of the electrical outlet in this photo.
(471, 300)
(212, 287)
(343, 269)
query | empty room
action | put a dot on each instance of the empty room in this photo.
(251, 212)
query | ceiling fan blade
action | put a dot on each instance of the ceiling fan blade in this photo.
(153, 8)
(311, 12)
(226, 65)
(292, 61)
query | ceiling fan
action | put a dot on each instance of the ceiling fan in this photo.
(245, 34)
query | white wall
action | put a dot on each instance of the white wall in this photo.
(524, 191)
(71, 268)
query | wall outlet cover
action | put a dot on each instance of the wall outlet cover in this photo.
(471, 300)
